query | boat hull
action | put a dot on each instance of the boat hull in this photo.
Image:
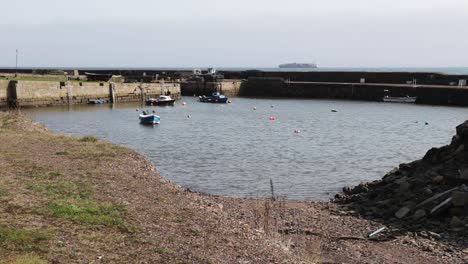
(214, 100)
(150, 119)
(97, 101)
(160, 103)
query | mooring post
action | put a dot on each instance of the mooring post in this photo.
(112, 92)
(69, 92)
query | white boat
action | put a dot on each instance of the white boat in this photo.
(403, 99)
(161, 100)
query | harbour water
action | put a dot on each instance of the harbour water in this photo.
(235, 149)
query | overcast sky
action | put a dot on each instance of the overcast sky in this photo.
(241, 33)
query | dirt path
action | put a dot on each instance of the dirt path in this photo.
(81, 200)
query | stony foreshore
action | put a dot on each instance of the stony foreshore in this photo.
(82, 200)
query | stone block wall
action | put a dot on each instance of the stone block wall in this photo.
(4, 93)
(227, 87)
(48, 93)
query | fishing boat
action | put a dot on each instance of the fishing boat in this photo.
(161, 100)
(215, 97)
(402, 99)
(151, 119)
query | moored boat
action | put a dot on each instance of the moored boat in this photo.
(96, 101)
(151, 119)
(402, 99)
(215, 97)
(161, 100)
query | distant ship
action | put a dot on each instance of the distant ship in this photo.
(298, 65)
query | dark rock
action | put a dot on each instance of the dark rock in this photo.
(456, 222)
(464, 174)
(402, 212)
(438, 179)
(419, 214)
(459, 198)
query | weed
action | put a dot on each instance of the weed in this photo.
(88, 139)
(159, 250)
(61, 153)
(195, 232)
(21, 239)
(3, 192)
(179, 220)
(28, 259)
(60, 244)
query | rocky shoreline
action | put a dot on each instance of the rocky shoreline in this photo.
(428, 197)
(82, 200)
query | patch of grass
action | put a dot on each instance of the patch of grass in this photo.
(62, 189)
(3, 192)
(98, 151)
(179, 220)
(6, 123)
(28, 259)
(88, 139)
(87, 211)
(195, 232)
(160, 250)
(21, 239)
(61, 153)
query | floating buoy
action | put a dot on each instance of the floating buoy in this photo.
(188, 116)
(254, 108)
(272, 118)
(334, 110)
(137, 110)
(426, 123)
(184, 103)
(297, 131)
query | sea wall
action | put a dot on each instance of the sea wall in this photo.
(227, 87)
(426, 94)
(48, 93)
(426, 78)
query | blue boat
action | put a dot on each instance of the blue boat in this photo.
(215, 97)
(151, 119)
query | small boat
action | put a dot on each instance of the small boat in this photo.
(97, 101)
(161, 100)
(151, 119)
(215, 97)
(403, 99)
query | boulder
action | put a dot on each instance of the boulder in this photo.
(456, 222)
(438, 179)
(459, 198)
(419, 214)
(402, 212)
(464, 174)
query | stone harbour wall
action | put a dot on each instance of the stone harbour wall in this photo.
(226, 87)
(4, 93)
(49, 93)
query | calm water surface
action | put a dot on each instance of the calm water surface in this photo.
(234, 150)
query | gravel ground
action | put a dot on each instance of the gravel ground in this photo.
(82, 200)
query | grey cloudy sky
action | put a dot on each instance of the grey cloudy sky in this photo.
(242, 33)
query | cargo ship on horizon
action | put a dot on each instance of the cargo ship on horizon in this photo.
(298, 65)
